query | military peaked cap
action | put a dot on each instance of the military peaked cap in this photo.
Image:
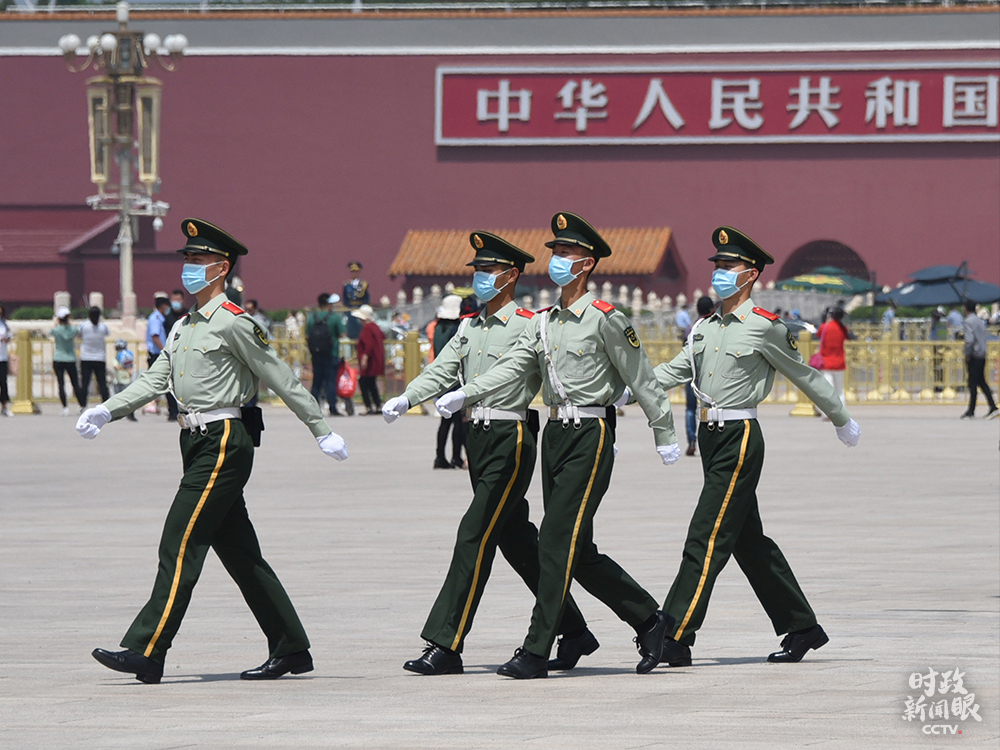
(570, 229)
(203, 237)
(732, 244)
(491, 249)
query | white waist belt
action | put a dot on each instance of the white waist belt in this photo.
(487, 414)
(199, 420)
(717, 416)
(576, 413)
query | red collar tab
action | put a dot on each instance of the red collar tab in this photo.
(525, 313)
(470, 315)
(234, 309)
(766, 314)
(544, 309)
(604, 307)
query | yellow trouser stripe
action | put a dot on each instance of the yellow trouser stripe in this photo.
(718, 522)
(486, 536)
(187, 534)
(583, 507)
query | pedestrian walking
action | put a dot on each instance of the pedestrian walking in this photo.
(211, 363)
(501, 449)
(704, 306)
(124, 370)
(730, 358)
(156, 335)
(974, 337)
(446, 327)
(178, 309)
(371, 358)
(586, 353)
(64, 358)
(323, 331)
(832, 335)
(93, 356)
(5, 339)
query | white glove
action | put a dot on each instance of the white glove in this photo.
(624, 399)
(849, 433)
(333, 445)
(91, 421)
(394, 408)
(450, 404)
(615, 448)
(669, 453)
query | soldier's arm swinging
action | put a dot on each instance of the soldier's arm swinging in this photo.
(249, 342)
(144, 389)
(777, 349)
(630, 360)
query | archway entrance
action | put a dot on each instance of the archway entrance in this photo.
(818, 253)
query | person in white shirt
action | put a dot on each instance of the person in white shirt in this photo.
(93, 333)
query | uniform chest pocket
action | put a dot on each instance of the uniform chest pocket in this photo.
(494, 353)
(207, 359)
(581, 359)
(738, 364)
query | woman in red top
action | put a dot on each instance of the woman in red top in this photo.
(371, 358)
(832, 335)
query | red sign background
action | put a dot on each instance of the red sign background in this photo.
(690, 91)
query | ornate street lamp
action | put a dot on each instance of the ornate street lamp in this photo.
(123, 115)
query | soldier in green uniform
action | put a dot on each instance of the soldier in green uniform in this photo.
(213, 359)
(501, 448)
(585, 352)
(730, 359)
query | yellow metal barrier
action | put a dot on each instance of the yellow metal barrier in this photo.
(907, 372)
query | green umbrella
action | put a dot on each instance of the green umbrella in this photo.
(826, 279)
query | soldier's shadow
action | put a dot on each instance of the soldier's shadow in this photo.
(227, 676)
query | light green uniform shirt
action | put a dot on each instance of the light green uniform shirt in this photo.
(735, 358)
(218, 356)
(483, 343)
(595, 353)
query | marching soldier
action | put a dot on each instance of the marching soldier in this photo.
(586, 353)
(730, 358)
(213, 359)
(501, 449)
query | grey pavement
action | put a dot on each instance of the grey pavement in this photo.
(895, 542)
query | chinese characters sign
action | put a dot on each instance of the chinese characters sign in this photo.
(623, 105)
(942, 702)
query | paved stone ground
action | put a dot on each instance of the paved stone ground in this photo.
(895, 542)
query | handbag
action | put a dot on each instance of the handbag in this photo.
(816, 360)
(347, 381)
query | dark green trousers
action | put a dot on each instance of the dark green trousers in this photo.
(209, 512)
(727, 522)
(501, 461)
(576, 472)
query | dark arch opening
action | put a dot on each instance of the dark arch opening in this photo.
(819, 253)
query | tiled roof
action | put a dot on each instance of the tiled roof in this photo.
(33, 234)
(635, 250)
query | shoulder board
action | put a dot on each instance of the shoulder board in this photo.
(766, 314)
(525, 313)
(234, 309)
(604, 307)
(470, 315)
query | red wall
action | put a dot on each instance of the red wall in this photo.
(315, 161)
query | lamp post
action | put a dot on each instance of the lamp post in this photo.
(123, 116)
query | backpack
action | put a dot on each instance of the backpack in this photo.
(318, 336)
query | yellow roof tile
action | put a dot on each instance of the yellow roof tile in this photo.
(445, 252)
